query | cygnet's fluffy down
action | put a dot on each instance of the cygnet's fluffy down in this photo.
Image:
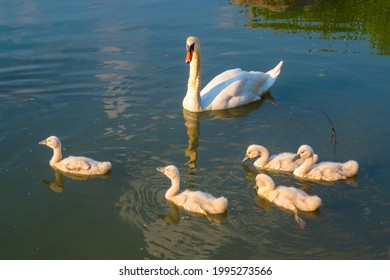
(193, 201)
(282, 162)
(287, 197)
(77, 165)
(326, 171)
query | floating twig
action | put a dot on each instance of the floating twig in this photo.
(333, 137)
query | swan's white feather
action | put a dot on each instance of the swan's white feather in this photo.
(326, 171)
(281, 162)
(230, 89)
(78, 165)
(287, 197)
(193, 201)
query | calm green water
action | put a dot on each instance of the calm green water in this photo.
(108, 78)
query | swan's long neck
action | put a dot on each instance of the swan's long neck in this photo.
(266, 188)
(174, 189)
(192, 101)
(304, 167)
(264, 156)
(57, 155)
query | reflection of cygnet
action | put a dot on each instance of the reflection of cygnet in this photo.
(72, 164)
(327, 171)
(229, 89)
(193, 201)
(58, 184)
(282, 161)
(287, 197)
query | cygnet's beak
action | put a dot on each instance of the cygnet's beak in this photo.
(43, 142)
(296, 157)
(161, 169)
(245, 158)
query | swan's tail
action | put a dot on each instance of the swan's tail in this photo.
(220, 205)
(350, 168)
(105, 167)
(308, 203)
(276, 71)
(314, 202)
(272, 75)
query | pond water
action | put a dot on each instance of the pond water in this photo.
(108, 78)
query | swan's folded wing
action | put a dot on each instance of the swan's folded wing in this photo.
(272, 195)
(73, 163)
(217, 80)
(233, 88)
(283, 161)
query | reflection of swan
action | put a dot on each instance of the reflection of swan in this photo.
(192, 122)
(58, 184)
(193, 201)
(327, 171)
(287, 197)
(72, 164)
(277, 6)
(193, 130)
(229, 89)
(283, 161)
(173, 218)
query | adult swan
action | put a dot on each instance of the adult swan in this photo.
(229, 89)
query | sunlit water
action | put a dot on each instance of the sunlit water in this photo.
(108, 78)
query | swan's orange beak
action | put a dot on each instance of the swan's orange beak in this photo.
(189, 56)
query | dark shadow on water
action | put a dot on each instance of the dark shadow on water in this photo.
(193, 120)
(278, 6)
(348, 20)
(57, 185)
(173, 218)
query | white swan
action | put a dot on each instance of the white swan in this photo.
(193, 201)
(327, 171)
(229, 89)
(287, 197)
(281, 162)
(72, 164)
